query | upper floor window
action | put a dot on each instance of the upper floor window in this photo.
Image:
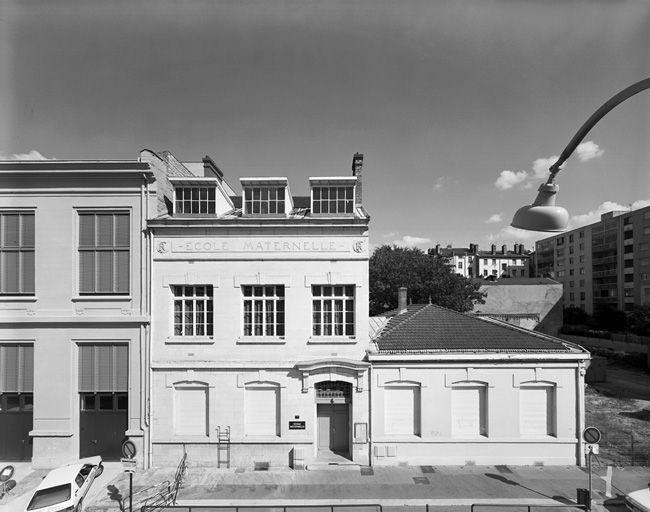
(194, 200)
(332, 310)
(263, 310)
(460, 264)
(193, 310)
(17, 253)
(332, 200)
(263, 200)
(104, 247)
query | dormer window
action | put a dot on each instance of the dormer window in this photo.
(194, 200)
(266, 196)
(263, 200)
(332, 196)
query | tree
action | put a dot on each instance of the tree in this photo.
(638, 320)
(428, 277)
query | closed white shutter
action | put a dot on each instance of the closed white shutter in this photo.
(190, 411)
(534, 411)
(467, 411)
(401, 410)
(261, 411)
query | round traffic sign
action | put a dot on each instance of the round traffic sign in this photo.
(591, 435)
(128, 449)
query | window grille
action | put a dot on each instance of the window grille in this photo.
(263, 310)
(263, 200)
(333, 389)
(17, 253)
(333, 310)
(16, 368)
(193, 310)
(195, 200)
(103, 367)
(332, 200)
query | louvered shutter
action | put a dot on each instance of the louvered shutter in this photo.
(27, 377)
(27, 271)
(122, 272)
(10, 368)
(261, 411)
(105, 367)
(10, 272)
(87, 368)
(11, 230)
(534, 413)
(467, 411)
(401, 406)
(190, 411)
(121, 367)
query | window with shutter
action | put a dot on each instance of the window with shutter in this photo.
(17, 253)
(103, 367)
(468, 411)
(402, 410)
(16, 368)
(261, 411)
(104, 253)
(536, 411)
(191, 410)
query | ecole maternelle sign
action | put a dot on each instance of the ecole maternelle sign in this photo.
(175, 248)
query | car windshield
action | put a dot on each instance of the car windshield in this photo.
(50, 496)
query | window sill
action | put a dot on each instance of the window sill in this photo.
(261, 340)
(18, 298)
(334, 340)
(102, 298)
(189, 340)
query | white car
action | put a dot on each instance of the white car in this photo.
(64, 488)
(638, 501)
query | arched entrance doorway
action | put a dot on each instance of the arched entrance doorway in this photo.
(333, 399)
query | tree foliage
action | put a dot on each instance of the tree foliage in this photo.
(428, 277)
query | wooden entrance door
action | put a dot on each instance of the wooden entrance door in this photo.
(16, 420)
(103, 422)
(333, 427)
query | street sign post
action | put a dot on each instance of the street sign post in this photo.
(129, 463)
(591, 436)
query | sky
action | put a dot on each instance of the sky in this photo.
(457, 105)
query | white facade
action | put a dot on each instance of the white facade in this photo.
(249, 369)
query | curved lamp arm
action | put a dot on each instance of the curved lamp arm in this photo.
(595, 117)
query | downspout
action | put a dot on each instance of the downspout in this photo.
(580, 374)
(370, 442)
(149, 343)
(144, 238)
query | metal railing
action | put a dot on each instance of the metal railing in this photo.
(527, 506)
(277, 508)
(166, 495)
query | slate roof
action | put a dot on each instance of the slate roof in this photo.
(434, 329)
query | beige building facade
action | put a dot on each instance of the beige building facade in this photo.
(73, 308)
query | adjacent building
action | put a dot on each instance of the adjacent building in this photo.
(472, 262)
(603, 266)
(449, 388)
(73, 308)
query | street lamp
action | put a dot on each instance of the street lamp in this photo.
(543, 215)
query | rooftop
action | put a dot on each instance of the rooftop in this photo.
(429, 328)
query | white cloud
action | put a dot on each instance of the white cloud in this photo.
(541, 165)
(497, 217)
(608, 206)
(588, 150)
(508, 179)
(539, 170)
(32, 155)
(510, 235)
(411, 241)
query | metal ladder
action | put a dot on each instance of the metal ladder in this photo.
(223, 448)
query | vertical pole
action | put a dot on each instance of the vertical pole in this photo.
(589, 464)
(130, 491)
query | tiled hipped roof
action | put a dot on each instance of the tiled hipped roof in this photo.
(430, 328)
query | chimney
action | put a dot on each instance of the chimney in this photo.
(357, 166)
(437, 248)
(494, 249)
(401, 300)
(515, 249)
(504, 249)
(521, 249)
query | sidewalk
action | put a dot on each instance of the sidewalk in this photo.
(416, 486)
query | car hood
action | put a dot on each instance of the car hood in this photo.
(640, 499)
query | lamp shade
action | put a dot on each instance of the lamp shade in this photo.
(542, 215)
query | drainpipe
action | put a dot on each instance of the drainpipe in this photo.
(149, 347)
(580, 382)
(144, 309)
(370, 442)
